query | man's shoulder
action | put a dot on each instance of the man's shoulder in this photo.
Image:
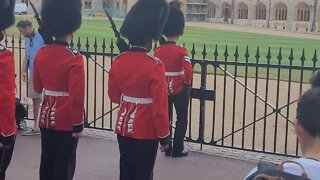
(39, 39)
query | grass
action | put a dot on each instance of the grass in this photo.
(100, 29)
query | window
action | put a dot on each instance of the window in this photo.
(88, 4)
(107, 4)
(226, 11)
(125, 5)
(242, 11)
(281, 11)
(261, 11)
(303, 12)
(211, 10)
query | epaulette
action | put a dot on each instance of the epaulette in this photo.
(2, 48)
(73, 51)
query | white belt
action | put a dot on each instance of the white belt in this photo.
(137, 100)
(55, 93)
(174, 73)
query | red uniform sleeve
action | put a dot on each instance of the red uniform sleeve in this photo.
(187, 67)
(77, 92)
(160, 101)
(37, 83)
(7, 98)
(113, 89)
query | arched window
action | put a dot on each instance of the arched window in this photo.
(226, 11)
(107, 4)
(118, 5)
(303, 12)
(280, 12)
(88, 4)
(242, 11)
(261, 11)
(125, 5)
(211, 10)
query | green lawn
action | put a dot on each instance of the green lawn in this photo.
(100, 29)
(200, 36)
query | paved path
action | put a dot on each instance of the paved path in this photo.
(98, 160)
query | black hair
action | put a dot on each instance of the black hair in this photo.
(308, 111)
(315, 79)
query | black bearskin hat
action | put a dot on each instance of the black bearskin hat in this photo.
(175, 23)
(61, 17)
(145, 21)
(6, 13)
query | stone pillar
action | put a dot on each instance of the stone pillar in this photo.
(290, 17)
(314, 11)
(251, 13)
(269, 14)
(232, 11)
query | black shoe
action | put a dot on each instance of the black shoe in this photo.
(168, 151)
(182, 153)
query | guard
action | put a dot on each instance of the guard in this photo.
(7, 91)
(137, 82)
(178, 75)
(59, 76)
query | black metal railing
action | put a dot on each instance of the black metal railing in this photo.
(255, 95)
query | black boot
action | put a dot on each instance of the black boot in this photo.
(169, 150)
(182, 153)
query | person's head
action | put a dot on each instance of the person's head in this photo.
(6, 15)
(175, 24)
(61, 18)
(315, 79)
(26, 28)
(307, 126)
(145, 22)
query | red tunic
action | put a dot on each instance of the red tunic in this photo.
(137, 75)
(60, 69)
(177, 64)
(7, 97)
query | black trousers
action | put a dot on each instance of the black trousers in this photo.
(137, 158)
(58, 156)
(181, 103)
(5, 158)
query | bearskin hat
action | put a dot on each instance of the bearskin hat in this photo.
(145, 20)
(175, 23)
(6, 13)
(61, 17)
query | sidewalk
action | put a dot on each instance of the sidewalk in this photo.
(97, 159)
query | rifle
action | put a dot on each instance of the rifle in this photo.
(121, 43)
(47, 37)
(36, 14)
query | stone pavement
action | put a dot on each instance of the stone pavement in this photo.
(97, 159)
